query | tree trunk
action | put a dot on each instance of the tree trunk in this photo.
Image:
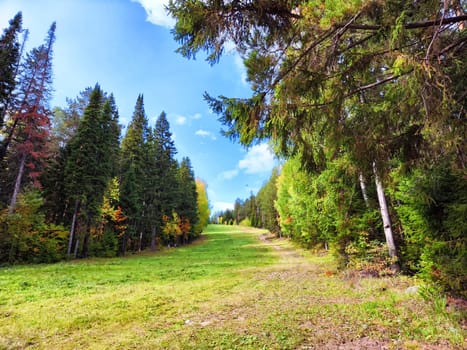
(75, 254)
(73, 227)
(124, 243)
(87, 235)
(153, 239)
(385, 215)
(19, 179)
(363, 188)
(140, 241)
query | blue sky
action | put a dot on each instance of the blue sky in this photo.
(126, 46)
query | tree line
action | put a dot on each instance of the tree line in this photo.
(71, 186)
(365, 102)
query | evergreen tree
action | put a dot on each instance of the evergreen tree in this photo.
(9, 62)
(89, 166)
(378, 82)
(31, 125)
(65, 124)
(167, 165)
(187, 206)
(266, 197)
(162, 191)
(132, 169)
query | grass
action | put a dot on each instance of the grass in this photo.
(229, 291)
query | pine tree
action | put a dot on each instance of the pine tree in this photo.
(89, 166)
(162, 194)
(9, 62)
(378, 81)
(266, 197)
(31, 119)
(167, 165)
(132, 170)
(65, 124)
(187, 206)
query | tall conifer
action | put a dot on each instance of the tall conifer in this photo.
(132, 170)
(31, 126)
(9, 61)
(187, 207)
(89, 166)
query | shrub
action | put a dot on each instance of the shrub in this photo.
(432, 208)
(26, 237)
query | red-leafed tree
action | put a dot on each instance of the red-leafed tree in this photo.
(30, 126)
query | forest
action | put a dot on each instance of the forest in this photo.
(71, 185)
(364, 102)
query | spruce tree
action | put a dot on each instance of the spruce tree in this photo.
(9, 62)
(161, 177)
(89, 166)
(187, 207)
(167, 165)
(132, 170)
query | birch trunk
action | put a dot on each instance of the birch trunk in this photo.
(385, 215)
(363, 188)
(73, 227)
(75, 254)
(19, 179)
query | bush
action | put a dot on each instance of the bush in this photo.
(26, 237)
(245, 222)
(105, 245)
(432, 208)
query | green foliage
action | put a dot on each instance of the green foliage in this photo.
(203, 207)
(433, 213)
(171, 229)
(25, 237)
(322, 208)
(265, 198)
(245, 222)
(347, 87)
(133, 176)
(104, 245)
(187, 206)
(9, 60)
(90, 163)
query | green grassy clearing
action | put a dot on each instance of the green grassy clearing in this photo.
(229, 291)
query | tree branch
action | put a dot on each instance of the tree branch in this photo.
(413, 25)
(452, 45)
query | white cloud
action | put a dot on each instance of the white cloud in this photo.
(180, 120)
(259, 159)
(197, 116)
(155, 10)
(204, 133)
(221, 206)
(228, 174)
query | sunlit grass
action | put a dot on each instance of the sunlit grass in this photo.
(230, 291)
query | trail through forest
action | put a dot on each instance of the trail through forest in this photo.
(237, 288)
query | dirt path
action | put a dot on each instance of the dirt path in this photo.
(317, 308)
